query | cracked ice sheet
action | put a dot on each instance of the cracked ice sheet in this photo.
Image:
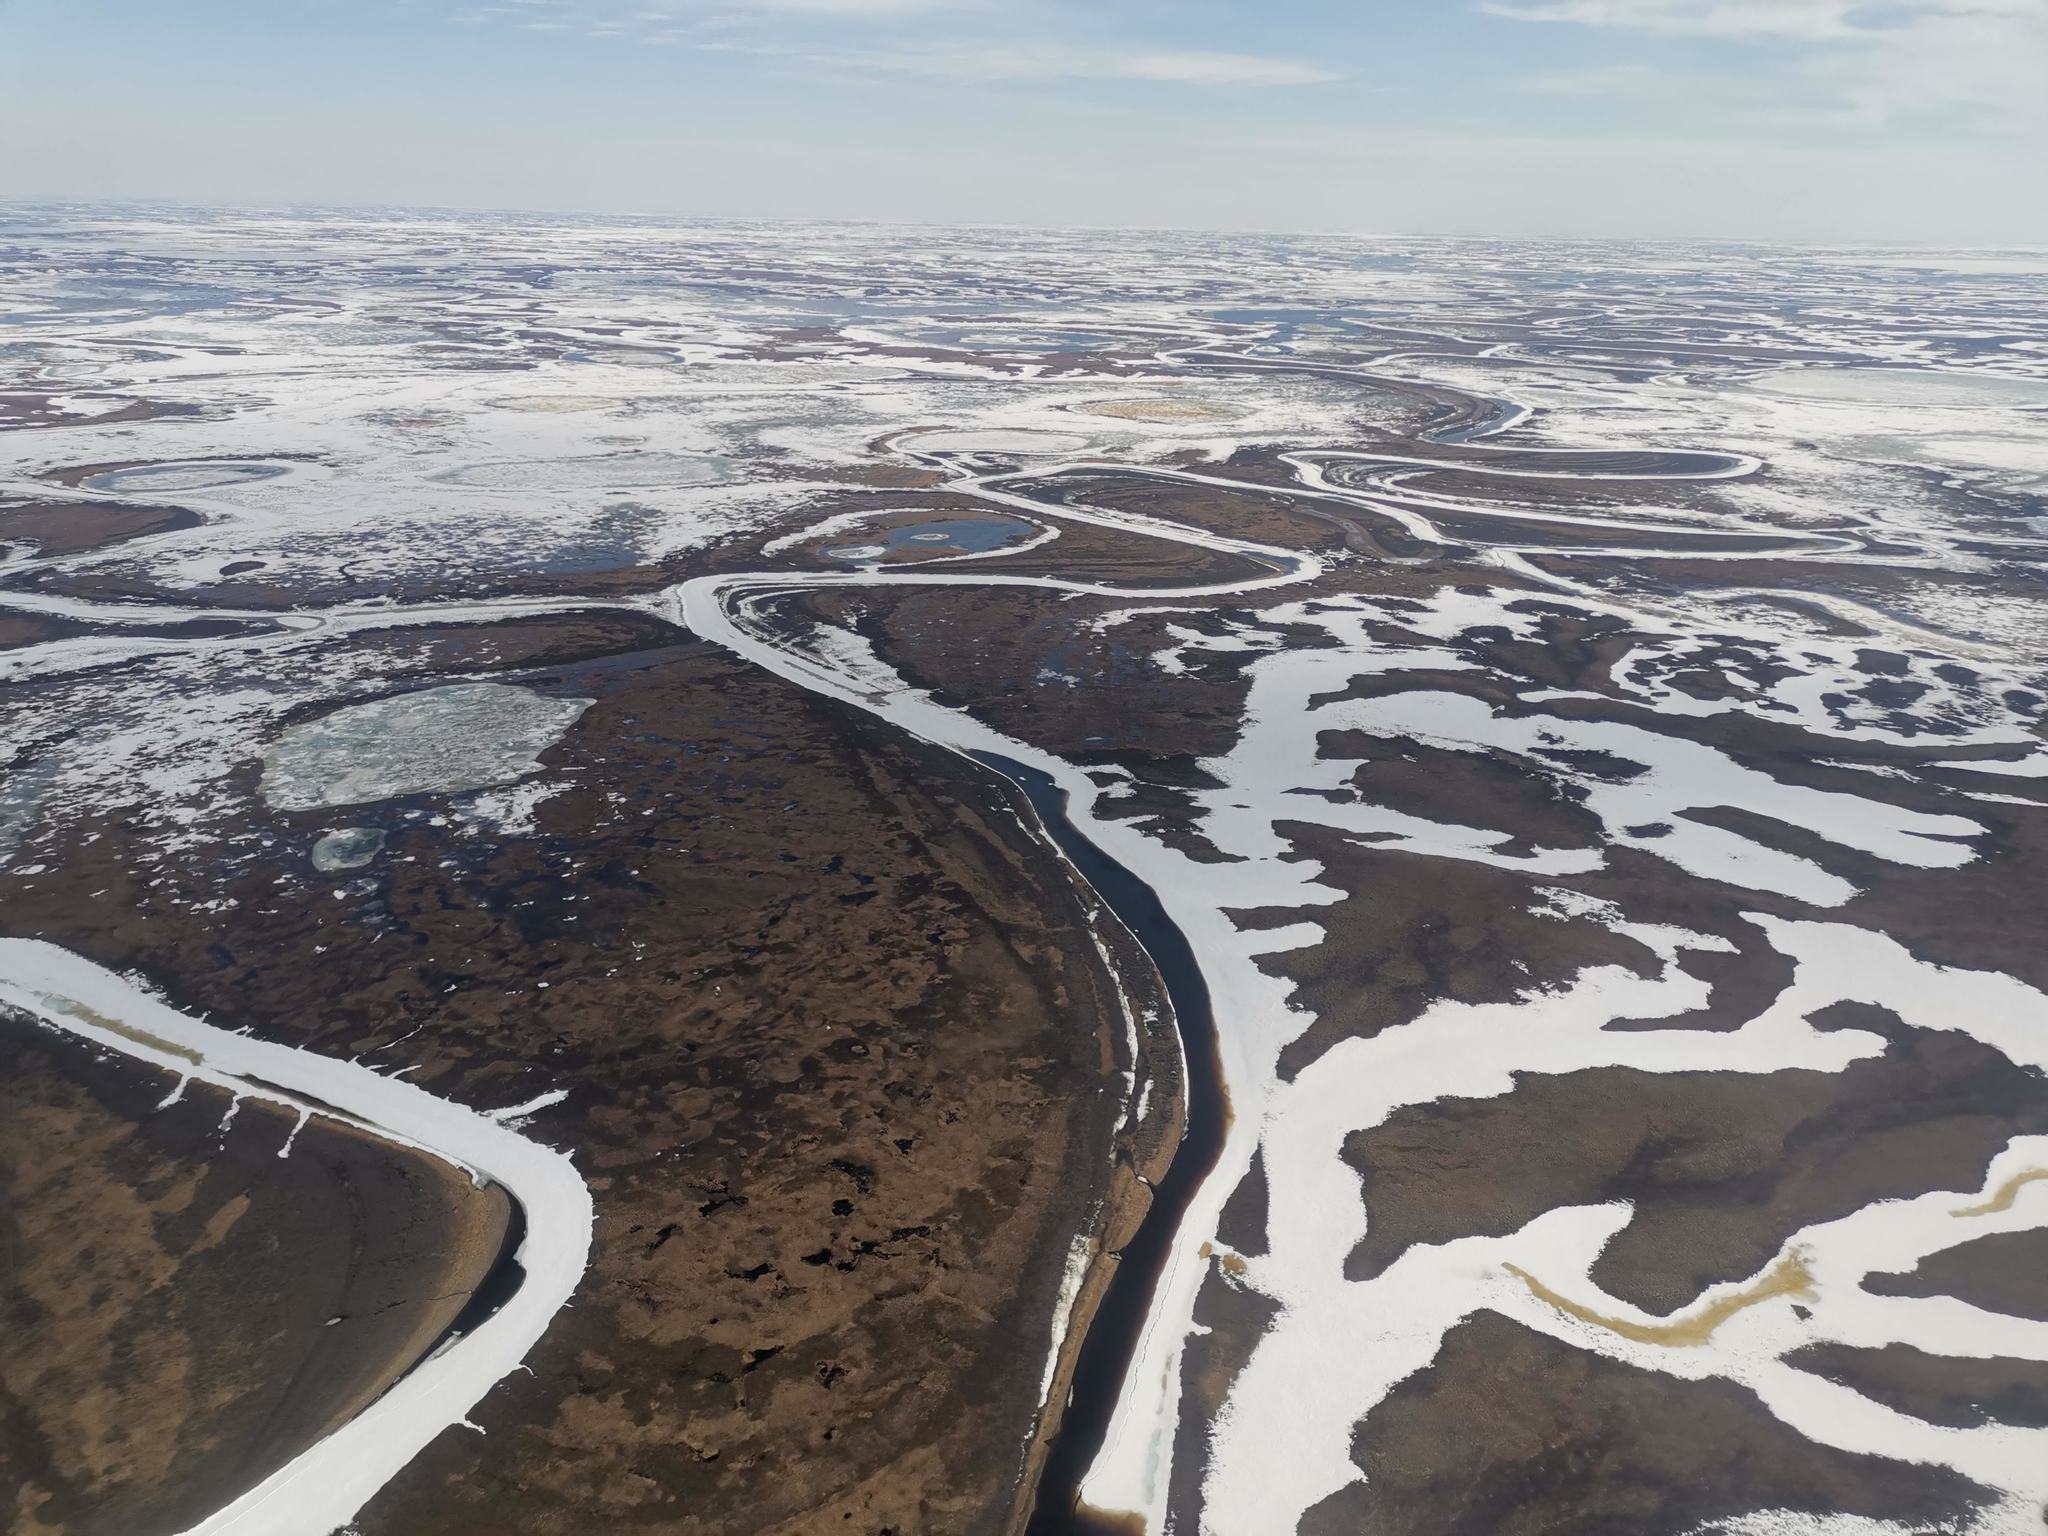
(164, 734)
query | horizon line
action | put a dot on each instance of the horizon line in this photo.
(298, 208)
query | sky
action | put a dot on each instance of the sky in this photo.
(1910, 121)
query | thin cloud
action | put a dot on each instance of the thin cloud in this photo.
(999, 61)
(1612, 82)
(1982, 65)
(1799, 20)
(1971, 63)
(1813, 20)
(1221, 69)
(783, 29)
(861, 8)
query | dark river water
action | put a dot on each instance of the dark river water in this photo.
(1113, 1335)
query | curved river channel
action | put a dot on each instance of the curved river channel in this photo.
(1107, 1465)
(323, 1487)
(1119, 1322)
(1110, 1452)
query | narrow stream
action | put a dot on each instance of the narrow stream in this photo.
(498, 1285)
(1112, 1336)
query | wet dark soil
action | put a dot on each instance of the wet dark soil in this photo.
(1550, 1438)
(184, 1308)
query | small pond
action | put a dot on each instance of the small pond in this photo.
(347, 848)
(1009, 442)
(436, 741)
(203, 475)
(954, 536)
(605, 471)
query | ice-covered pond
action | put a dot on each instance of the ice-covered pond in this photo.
(1011, 441)
(199, 475)
(591, 472)
(1903, 386)
(347, 848)
(437, 741)
(952, 536)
